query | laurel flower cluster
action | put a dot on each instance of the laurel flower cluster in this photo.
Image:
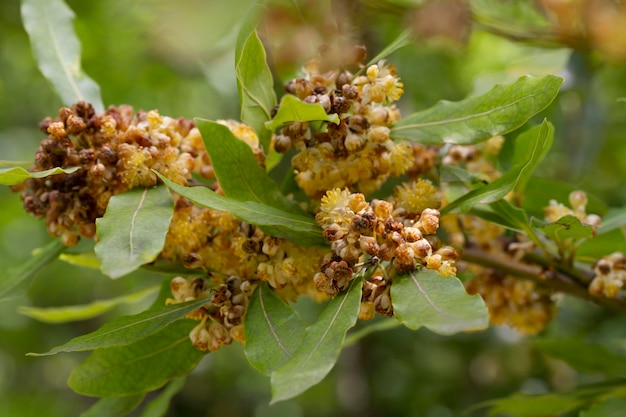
(610, 275)
(114, 152)
(578, 203)
(358, 230)
(358, 152)
(221, 318)
(513, 301)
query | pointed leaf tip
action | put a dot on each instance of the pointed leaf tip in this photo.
(57, 49)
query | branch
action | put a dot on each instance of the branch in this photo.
(566, 282)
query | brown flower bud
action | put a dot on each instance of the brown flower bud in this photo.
(364, 223)
(200, 337)
(221, 294)
(411, 234)
(429, 221)
(324, 284)
(344, 78)
(192, 260)
(383, 305)
(404, 259)
(75, 124)
(422, 248)
(386, 251)
(369, 245)
(282, 143)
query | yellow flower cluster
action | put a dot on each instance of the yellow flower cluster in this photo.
(357, 153)
(513, 301)
(358, 231)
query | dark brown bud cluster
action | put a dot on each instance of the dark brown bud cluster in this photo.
(114, 151)
(221, 318)
(358, 230)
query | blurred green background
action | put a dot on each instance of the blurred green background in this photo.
(178, 57)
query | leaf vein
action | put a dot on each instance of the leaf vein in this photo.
(270, 325)
(487, 113)
(421, 290)
(131, 255)
(57, 51)
(135, 323)
(332, 321)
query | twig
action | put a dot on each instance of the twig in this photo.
(545, 275)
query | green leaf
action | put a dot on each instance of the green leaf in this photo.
(128, 329)
(612, 407)
(501, 110)
(139, 367)
(16, 277)
(240, 176)
(292, 109)
(133, 229)
(584, 357)
(114, 406)
(526, 405)
(86, 311)
(273, 330)
(85, 259)
(159, 406)
(425, 298)
(321, 346)
(601, 245)
(505, 214)
(4, 163)
(513, 219)
(254, 84)
(567, 227)
(300, 229)
(615, 218)
(507, 182)
(524, 150)
(160, 266)
(15, 175)
(451, 173)
(401, 41)
(57, 51)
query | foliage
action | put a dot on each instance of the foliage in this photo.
(330, 193)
